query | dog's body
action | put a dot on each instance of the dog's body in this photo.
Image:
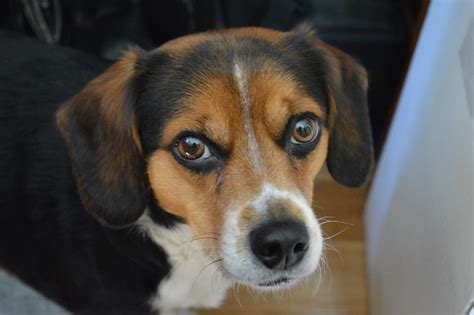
(46, 237)
(123, 219)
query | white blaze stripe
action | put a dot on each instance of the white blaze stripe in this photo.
(253, 151)
(269, 192)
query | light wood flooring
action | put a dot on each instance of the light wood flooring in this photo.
(342, 289)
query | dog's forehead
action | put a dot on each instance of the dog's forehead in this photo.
(172, 72)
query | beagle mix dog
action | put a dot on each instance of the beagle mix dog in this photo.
(185, 169)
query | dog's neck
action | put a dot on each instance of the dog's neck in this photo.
(194, 280)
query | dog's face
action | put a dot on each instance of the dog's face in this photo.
(227, 131)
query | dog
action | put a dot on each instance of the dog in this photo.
(178, 172)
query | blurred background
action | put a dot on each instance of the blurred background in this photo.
(405, 243)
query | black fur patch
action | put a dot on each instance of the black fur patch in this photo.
(349, 160)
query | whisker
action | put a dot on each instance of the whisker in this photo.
(237, 296)
(317, 206)
(336, 221)
(336, 234)
(326, 266)
(202, 270)
(203, 238)
(334, 249)
(327, 217)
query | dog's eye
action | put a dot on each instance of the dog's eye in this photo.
(192, 148)
(196, 152)
(301, 134)
(305, 130)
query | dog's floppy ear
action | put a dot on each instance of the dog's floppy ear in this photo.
(350, 152)
(98, 126)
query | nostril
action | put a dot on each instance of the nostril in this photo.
(300, 247)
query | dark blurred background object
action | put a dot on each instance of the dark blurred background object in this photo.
(376, 32)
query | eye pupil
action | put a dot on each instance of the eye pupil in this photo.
(190, 148)
(305, 130)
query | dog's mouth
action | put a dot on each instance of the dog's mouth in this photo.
(275, 283)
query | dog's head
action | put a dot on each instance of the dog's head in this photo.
(225, 131)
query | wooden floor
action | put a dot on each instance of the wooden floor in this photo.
(342, 289)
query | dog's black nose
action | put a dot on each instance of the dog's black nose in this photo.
(280, 245)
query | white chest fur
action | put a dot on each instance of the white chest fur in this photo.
(194, 280)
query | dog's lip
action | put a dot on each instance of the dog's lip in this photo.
(279, 281)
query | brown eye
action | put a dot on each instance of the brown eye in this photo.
(305, 130)
(192, 148)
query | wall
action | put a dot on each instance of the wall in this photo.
(419, 215)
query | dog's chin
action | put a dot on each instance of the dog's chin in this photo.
(274, 285)
(268, 283)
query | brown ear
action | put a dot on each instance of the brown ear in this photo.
(98, 126)
(350, 152)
